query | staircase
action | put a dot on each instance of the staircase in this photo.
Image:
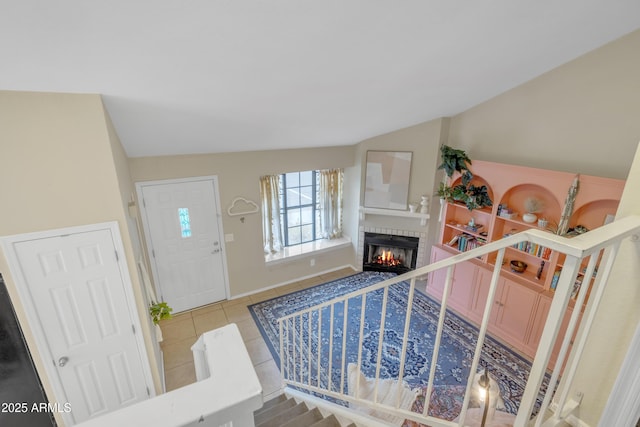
(286, 412)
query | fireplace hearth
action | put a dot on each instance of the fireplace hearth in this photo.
(387, 252)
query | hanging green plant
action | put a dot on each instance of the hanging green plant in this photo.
(159, 311)
(453, 160)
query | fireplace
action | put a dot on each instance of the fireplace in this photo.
(387, 252)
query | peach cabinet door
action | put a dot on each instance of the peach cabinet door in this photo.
(435, 284)
(479, 299)
(515, 310)
(463, 287)
(539, 321)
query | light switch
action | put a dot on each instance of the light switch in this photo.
(228, 237)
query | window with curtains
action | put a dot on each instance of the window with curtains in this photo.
(301, 207)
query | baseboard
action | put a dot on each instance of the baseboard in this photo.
(288, 282)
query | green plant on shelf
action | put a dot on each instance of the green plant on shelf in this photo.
(473, 196)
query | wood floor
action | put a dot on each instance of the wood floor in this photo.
(181, 332)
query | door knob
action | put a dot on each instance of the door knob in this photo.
(63, 361)
(215, 251)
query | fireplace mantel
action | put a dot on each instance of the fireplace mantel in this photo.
(423, 217)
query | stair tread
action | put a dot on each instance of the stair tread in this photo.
(279, 418)
(330, 421)
(270, 403)
(273, 410)
(305, 420)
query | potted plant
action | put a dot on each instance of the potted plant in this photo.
(159, 311)
(454, 160)
(473, 196)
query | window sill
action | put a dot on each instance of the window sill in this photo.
(293, 253)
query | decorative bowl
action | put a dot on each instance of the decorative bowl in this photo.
(518, 266)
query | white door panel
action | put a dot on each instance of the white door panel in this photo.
(78, 294)
(184, 235)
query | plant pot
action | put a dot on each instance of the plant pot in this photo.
(529, 218)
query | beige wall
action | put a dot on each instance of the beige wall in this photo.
(238, 176)
(580, 117)
(57, 171)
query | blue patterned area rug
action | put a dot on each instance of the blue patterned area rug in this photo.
(457, 345)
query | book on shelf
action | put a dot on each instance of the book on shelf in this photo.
(465, 242)
(554, 279)
(576, 285)
(534, 249)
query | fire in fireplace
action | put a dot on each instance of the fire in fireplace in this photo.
(387, 258)
(386, 252)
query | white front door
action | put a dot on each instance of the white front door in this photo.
(81, 311)
(183, 232)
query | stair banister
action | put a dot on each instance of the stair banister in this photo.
(484, 325)
(436, 346)
(575, 249)
(405, 337)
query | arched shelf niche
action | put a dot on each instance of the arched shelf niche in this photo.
(594, 214)
(478, 181)
(516, 196)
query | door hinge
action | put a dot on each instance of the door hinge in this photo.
(144, 203)
(153, 252)
(117, 256)
(148, 392)
(133, 328)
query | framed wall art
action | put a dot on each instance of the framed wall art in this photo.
(387, 179)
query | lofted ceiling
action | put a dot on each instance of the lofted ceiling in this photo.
(203, 76)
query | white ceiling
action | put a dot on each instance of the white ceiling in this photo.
(199, 76)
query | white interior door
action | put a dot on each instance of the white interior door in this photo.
(83, 312)
(184, 231)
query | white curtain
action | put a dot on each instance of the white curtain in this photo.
(271, 229)
(331, 203)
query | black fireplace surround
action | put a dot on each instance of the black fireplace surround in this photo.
(387, 252)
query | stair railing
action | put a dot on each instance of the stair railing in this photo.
(303, 341)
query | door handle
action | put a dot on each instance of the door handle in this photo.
(215, 251)
(63, 361)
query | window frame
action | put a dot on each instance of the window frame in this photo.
(285, 208)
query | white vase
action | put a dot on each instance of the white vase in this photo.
(424, 204)
(529, 218)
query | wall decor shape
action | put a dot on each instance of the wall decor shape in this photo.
(242, 206)
(387, 179)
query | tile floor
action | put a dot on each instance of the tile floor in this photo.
(181, 331)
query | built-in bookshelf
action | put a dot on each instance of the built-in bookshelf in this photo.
(522, 300)
(510, 187)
